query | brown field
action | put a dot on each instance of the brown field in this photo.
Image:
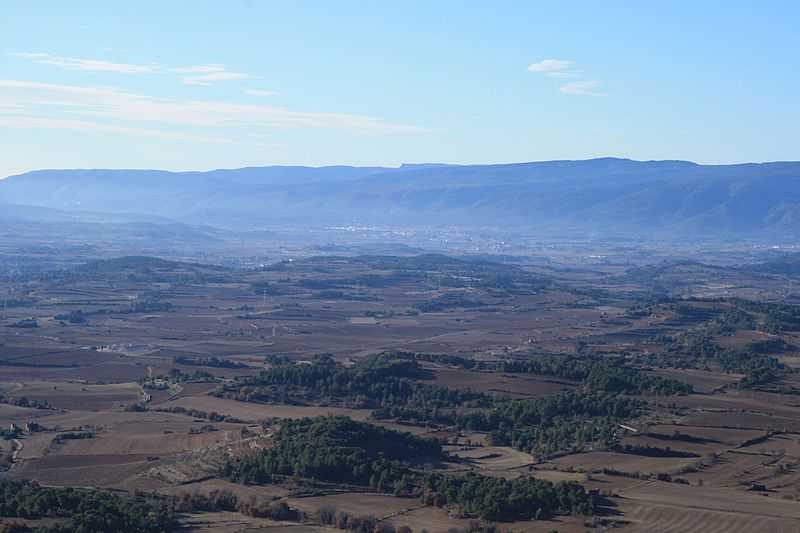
(712, 498)
(87, 374)
(741, 338)
(430, 518)
(730, 437)
(436, 521)
(494, 458)
(658, 517)
(623, 462)
(556, 475)
(787, 444)
(378, 505)
(134, 442)
(230, 522)
(10, 413)
(78, 471)
(255, 412)
(701, 380)
(265, 492)
(78, 396)
(691, 439)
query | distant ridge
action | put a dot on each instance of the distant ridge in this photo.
(607, 196)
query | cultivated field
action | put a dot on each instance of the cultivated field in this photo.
(146, 377)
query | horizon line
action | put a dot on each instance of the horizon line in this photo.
(398, 167)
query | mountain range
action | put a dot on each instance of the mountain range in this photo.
(615, 197)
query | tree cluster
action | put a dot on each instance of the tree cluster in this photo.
(599, 373)
(752, 360)
(494, 498)
(214, 362)
(334, 449)
(374, 382)
(83, 511)
(341, 450)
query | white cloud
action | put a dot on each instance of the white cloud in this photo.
(50, 105)
(202, 74)
(560, 69)
(72, 63)
(582, 88)
(259, 92)
(548, 65)
(564, 74)
(31, 122)
(207, 79)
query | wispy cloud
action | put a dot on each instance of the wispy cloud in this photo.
(562, 69)
(548, 65)
(207, 74)
(32, 122)
(97, 65)
(259, 92)
(564, 74)
(47, 105)
(191, 75)
(582, 88)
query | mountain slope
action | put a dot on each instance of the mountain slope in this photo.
(673, 199)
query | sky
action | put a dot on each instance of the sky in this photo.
(197, 85)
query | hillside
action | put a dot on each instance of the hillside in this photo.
(668, 199)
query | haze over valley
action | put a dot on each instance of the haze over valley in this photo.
(484, 267)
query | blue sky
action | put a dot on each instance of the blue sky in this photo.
(201, 85)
